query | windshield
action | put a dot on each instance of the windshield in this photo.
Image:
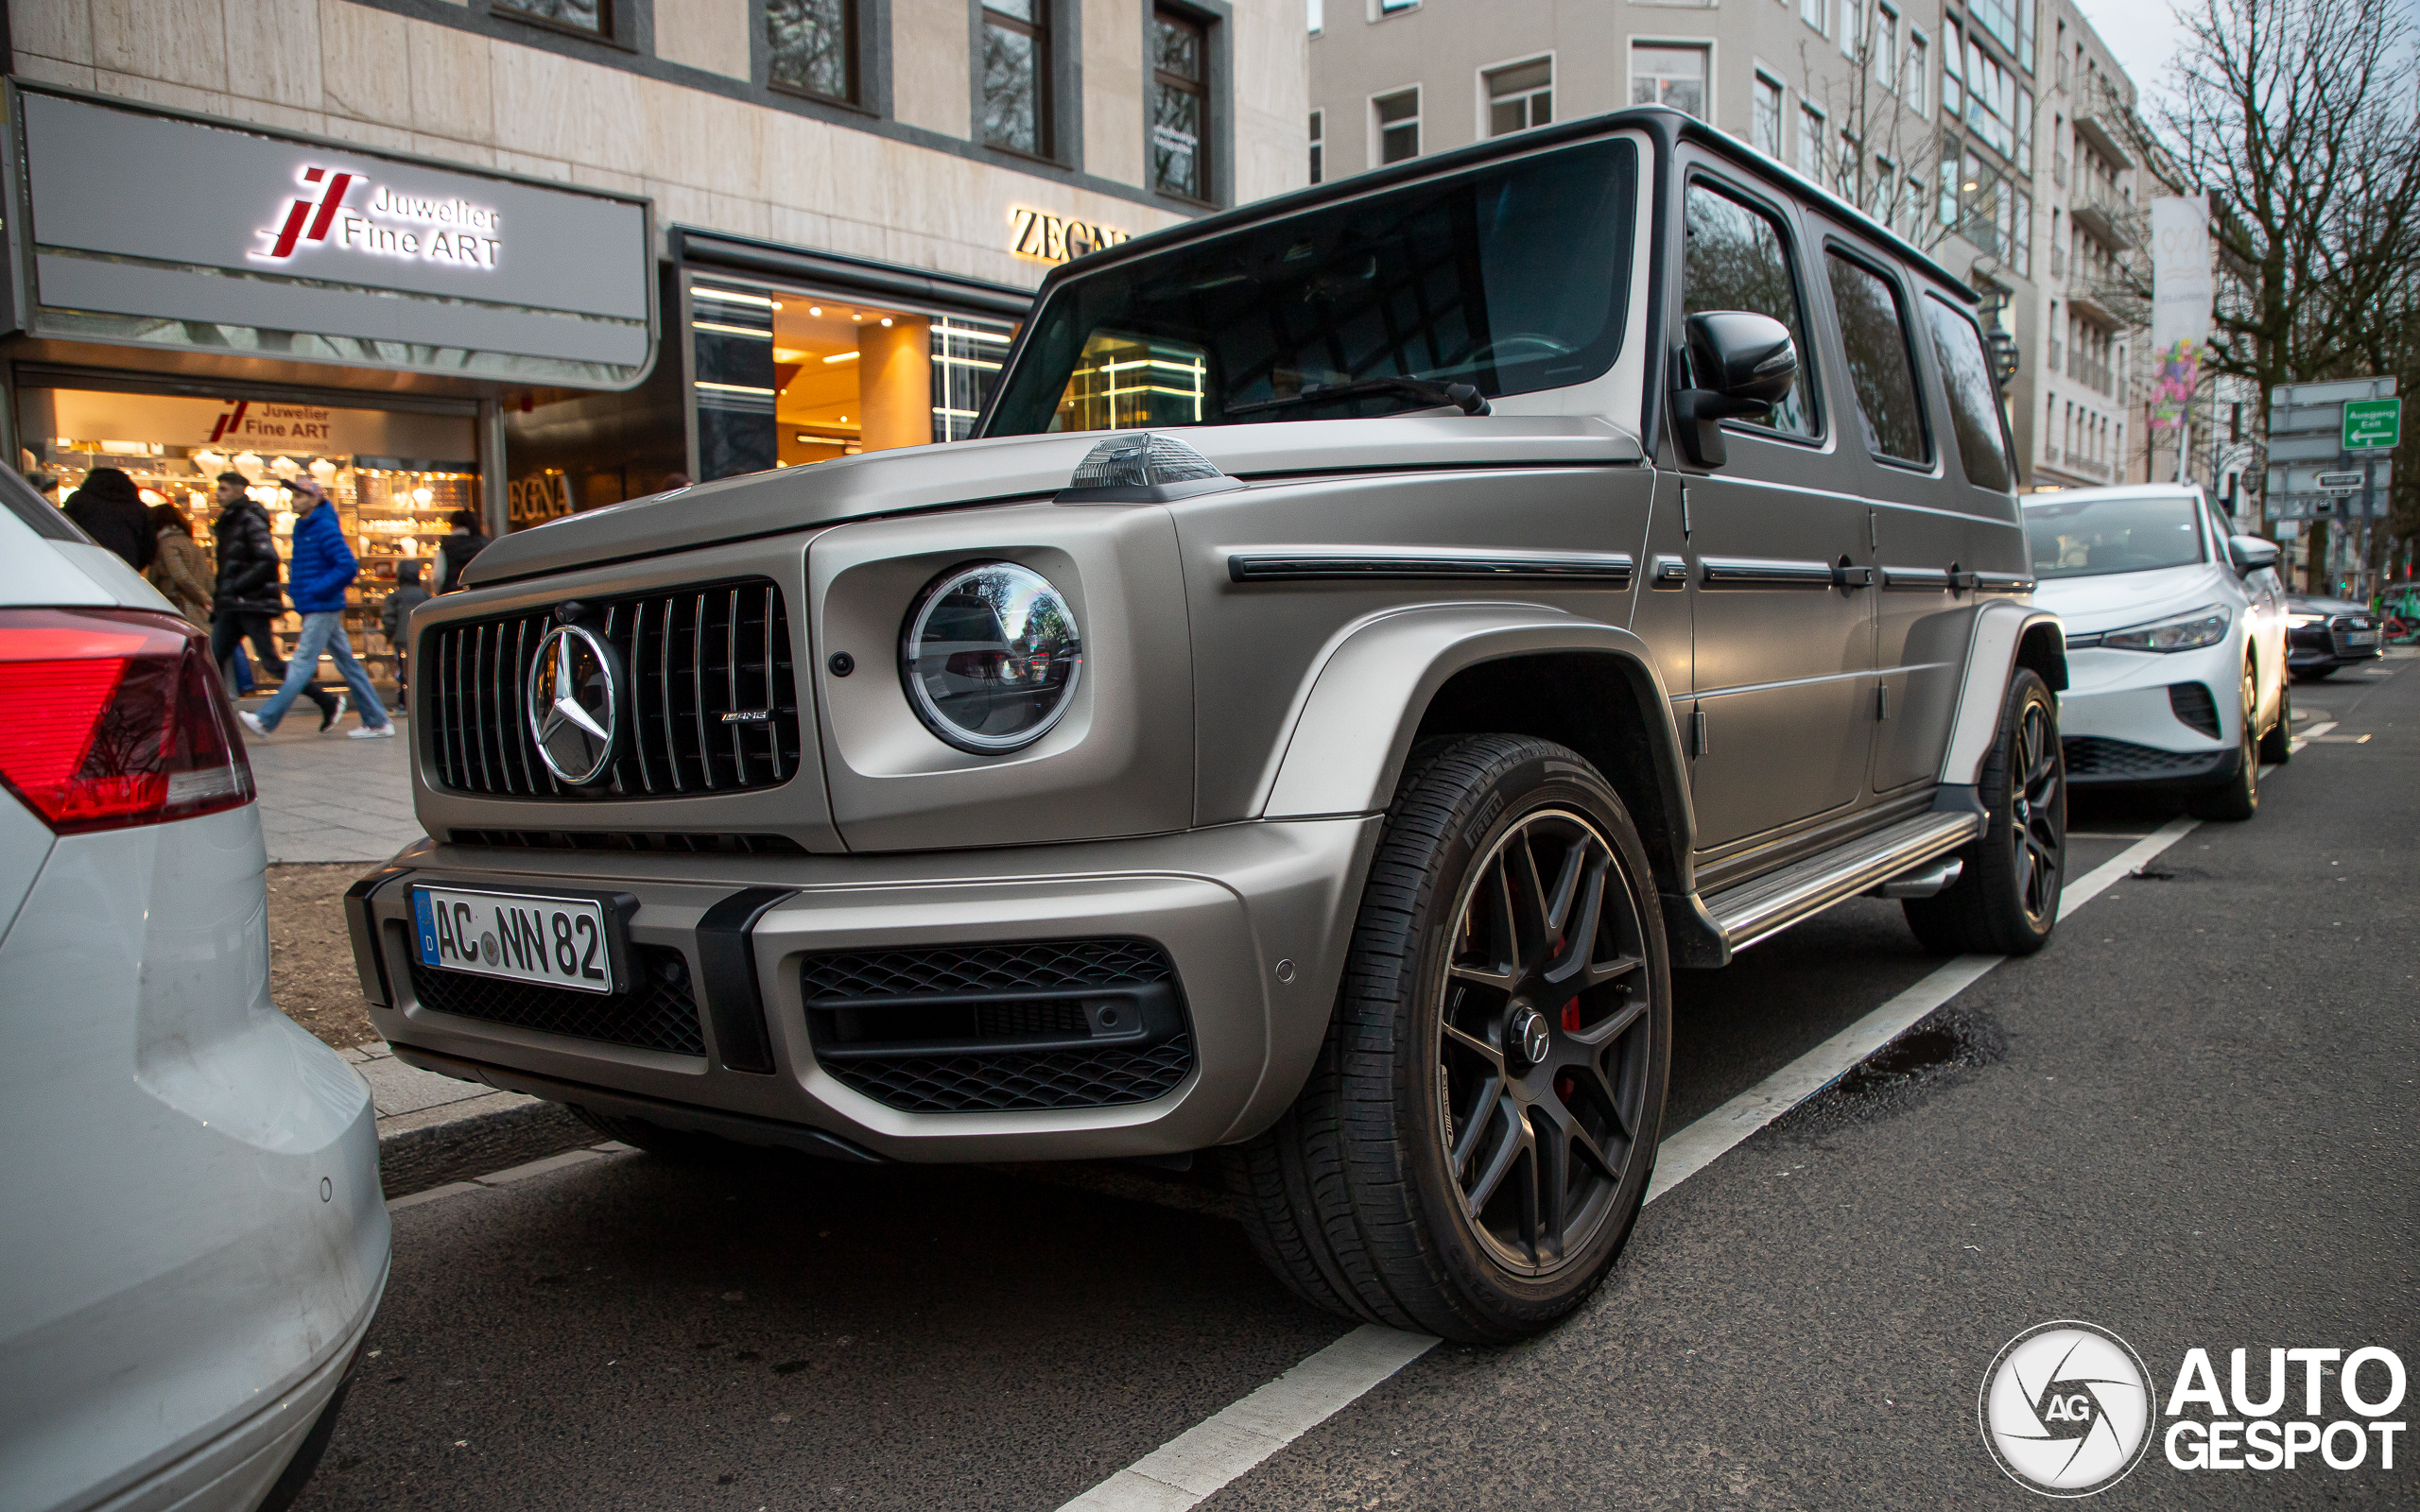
(1510, 278)
(2090, 538)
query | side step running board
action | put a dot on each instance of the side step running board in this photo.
(1760, 909)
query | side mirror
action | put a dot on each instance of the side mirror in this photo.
(2251, 553)
(1746, 362)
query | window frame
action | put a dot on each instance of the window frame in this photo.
(1046, 112)
(1204, 90)
(1487, 100)
(1379, 129)
(1904, 299)
(1940, 375)
(1319, 145)
(1703, 46)
(612, 25)
(1759, 78)
(1783, 217)
(853, 19)
(1809, 112)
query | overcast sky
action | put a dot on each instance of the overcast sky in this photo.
(2145, 35)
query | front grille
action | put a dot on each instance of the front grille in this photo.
(1027, 1026)
(658, 843)
(688, 658)
(2192, 704)
(2092, 756)
(656, 1012)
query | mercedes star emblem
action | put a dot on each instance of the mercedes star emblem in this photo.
(572, 704)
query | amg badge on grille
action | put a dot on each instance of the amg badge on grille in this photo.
(572, 704)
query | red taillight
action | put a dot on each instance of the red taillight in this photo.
(111, 717)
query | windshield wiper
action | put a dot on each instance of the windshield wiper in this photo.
(1458, 396)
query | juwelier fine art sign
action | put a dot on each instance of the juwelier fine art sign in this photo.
(144, 225)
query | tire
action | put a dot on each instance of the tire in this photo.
(2278, 745)
(2006, 900)
(2239, 797)
(671, 1144)
(1470, 1152)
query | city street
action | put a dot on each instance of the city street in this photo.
(2187, 1121)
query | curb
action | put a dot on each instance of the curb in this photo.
(434, 1130)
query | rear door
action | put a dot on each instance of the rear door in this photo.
(1776, 539)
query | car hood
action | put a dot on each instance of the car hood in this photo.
(2115, 600)
(956, 474)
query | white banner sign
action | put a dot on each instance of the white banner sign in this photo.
(2182, 286)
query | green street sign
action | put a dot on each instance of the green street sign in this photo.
(2373, 425)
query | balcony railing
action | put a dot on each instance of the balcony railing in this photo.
(2093, 375)
(2078, 462)
(2058, 262)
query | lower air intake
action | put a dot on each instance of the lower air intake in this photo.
(656, 1012)
(1015, 1026)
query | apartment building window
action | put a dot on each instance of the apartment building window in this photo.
(1180, 106)
(1318, 23)
(812, 47)
(1810, 141)
(1396, 117)
(1812, 12)
(1319, 147)
(1953, 97)
(1912, 209)
(1017, 76)
(591, 16)
(1886, 47)
(2024, 132)
(2020, 245)
(1919, 69)
(1391, 7)
(1669, 76)
(1764, 126)
(1519, 96)
(1851, 23)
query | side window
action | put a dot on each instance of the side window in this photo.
(1966, 375)
(1738, 259)
(1873, 332)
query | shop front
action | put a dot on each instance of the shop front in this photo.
(192, 297)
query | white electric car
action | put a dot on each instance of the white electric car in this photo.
(192, 1237)
(2176, 643)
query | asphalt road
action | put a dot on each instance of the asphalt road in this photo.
(2189, 1121)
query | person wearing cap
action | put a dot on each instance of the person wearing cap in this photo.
(324, 568)
(247, 600)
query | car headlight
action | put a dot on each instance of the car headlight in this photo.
(2301, 622)
(2189, 631)
(991, 656)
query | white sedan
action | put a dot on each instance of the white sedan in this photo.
(193, 1239)
(2176, 643)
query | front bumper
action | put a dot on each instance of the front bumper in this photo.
(2120, 721)
(1254, 917)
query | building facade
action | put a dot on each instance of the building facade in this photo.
(1944, 118)
(528, 257)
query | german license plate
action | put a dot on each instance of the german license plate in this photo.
(519, 936)
(2361, 637)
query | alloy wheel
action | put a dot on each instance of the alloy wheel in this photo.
(2039, 830)
(1542, 1060)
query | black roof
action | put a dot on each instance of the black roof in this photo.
(1662, 120)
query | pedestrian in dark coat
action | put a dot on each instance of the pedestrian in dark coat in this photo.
(465, 541)
(110, 507)
(247, 602)
(395, 619)
(324, 567)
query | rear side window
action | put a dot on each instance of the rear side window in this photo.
(37, 511)
(1967, 376)
(1873, 332)
(1739, 260)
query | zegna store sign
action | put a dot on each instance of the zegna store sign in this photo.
(143, 224)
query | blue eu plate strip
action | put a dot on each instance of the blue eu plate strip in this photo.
(425, 926)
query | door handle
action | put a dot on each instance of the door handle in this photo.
(1847, 574)
(1670, 572)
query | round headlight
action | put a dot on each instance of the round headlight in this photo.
(991, 656)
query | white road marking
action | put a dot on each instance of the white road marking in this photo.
(1206, 1457)
(2320, 728)
(1187, 1469)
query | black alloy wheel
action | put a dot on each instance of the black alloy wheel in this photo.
(2238, 796)
(1473, 1144)
(2006, 901)
(1541, 1071)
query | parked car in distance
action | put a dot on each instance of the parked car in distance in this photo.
(2176, 643)
(2328, 633)
(1523, 572)
(193, 1239)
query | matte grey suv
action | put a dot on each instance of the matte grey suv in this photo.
(1376, 637)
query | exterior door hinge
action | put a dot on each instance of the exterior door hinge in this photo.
(1882, 701)
(1697, 732)
(1685, 511)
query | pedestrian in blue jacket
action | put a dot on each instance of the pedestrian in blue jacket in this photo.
(323, 567)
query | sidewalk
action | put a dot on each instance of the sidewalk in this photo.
(328, 798)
